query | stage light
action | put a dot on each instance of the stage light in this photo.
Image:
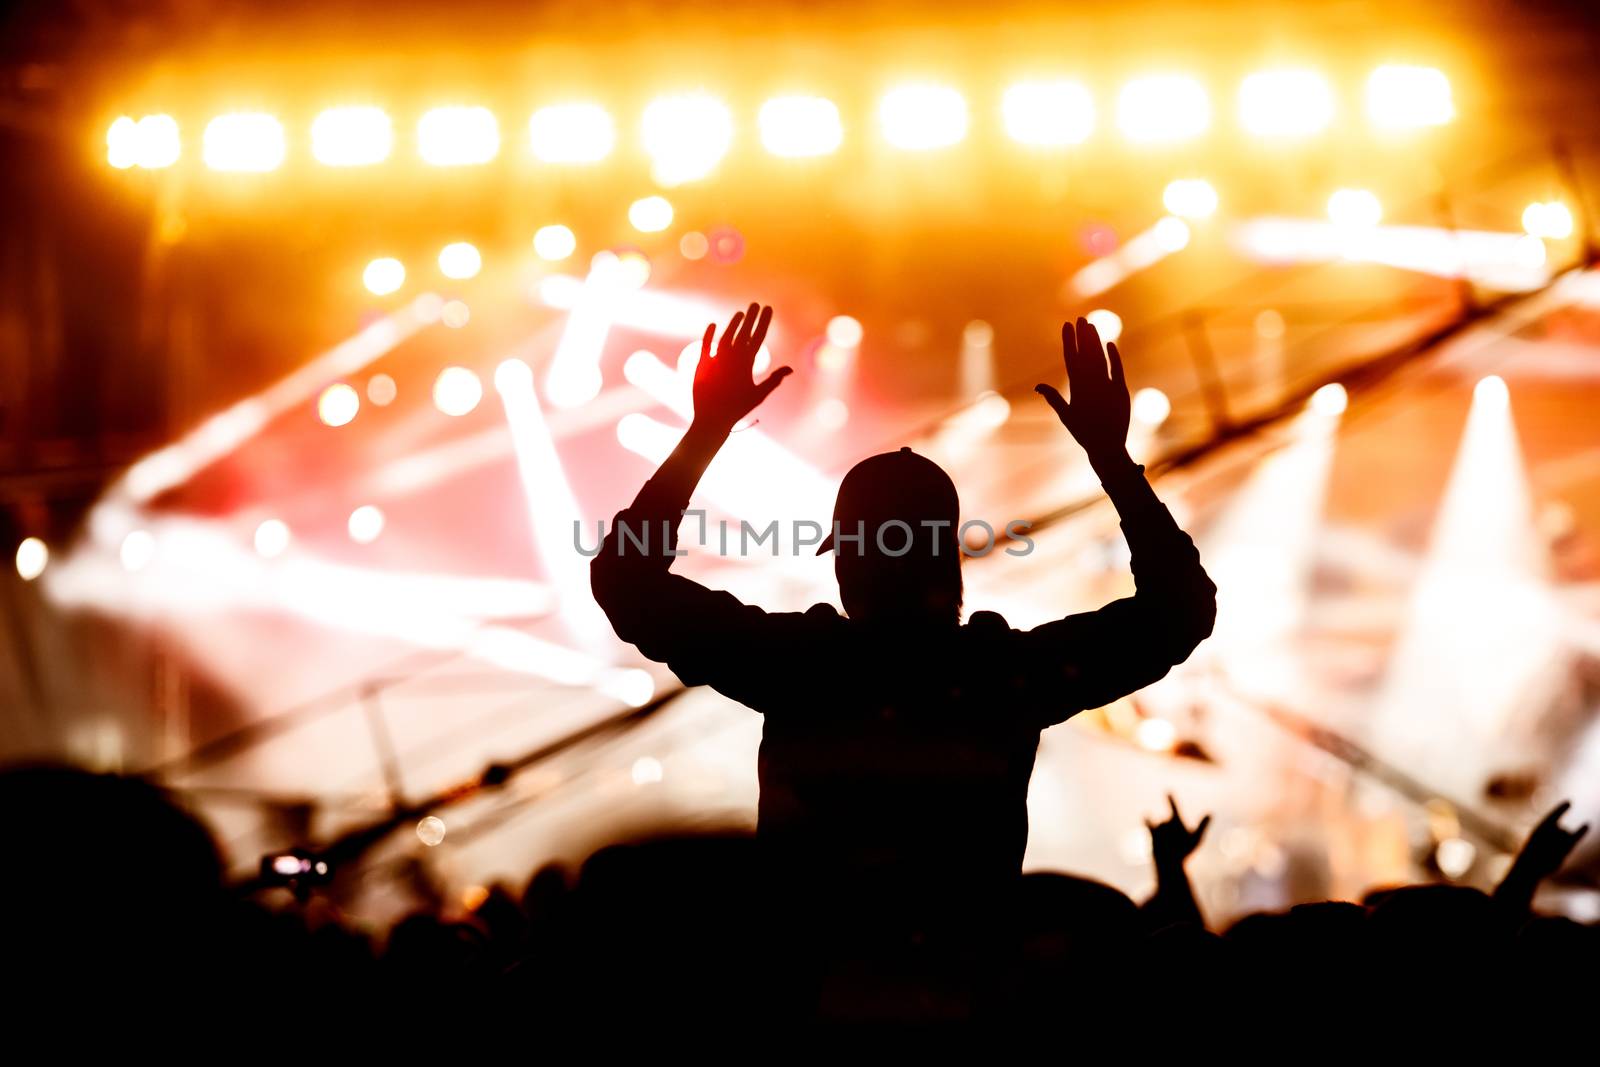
(1269, 324)
(1108, 324)
(1190, 198)
(1491, 392)
(431, 830)
(33, 555)
(652, 214)
(1354, 209)
(458, 136)
(1405, 97)
(1550, 219)
(151, 143)
(1455, 856)
(1161, 108)
(686, 136)
(798, 126)
(832, 414)
(1156, 735)
(1048, 114)
(554, 243)
(1330, 400)
(977, 358)
(1528, 253)
(381, 390)
(694, 245)
(456, 391)
(633, 269)
(137, 550)
(272, 538)
(923, 117)
(455, 314)
(338, 404)
(1171, 234)
(246, 141)
(844, 332)
(572, 133)
(460, 260)
(646, 771)
(1285, 103)
(365, 524)
(352, 136)
(1151, 406)
(384, 276)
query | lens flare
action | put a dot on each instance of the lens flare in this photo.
(554, 243)
(799, 126)
(1285, 103)
(919, 118)
(458, 136)
(1048, 114)
(1163, 108)
(686, 136)
(384, 276)
(246, 141)
(352, 136)
(572, 133)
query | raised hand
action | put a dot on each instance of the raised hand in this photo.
(1171, 841)
(724, 388)
(1548, 846)
(1098, 414)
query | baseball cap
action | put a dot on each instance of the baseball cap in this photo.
(893, 485)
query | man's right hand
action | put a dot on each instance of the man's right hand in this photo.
(1099, 412)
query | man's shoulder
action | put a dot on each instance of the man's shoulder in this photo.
(987, 622)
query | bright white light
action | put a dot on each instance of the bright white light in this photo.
(151, 143)
(646, 770)
(33, 555)
(694, 245)
(1405, 97)
(832, 414)
(923, 117)
(338, 404)
(365, 524)
(1354, 208)
(1108, 324)
(455, 314)
(272, 538)
(456, 391)
(381, 390)
(1151, 407)
(797, 126)
(431, 830)
(246, 141)
(384, 276)
(1492, 393)
(1455, 856)
(1330, 400)
(574, 376)
(554, 243)
(1048, 114)
(460, 260)
(458, 136)
(844, 332)
(1156, 735)
(1163, 108)
(686, 136)
(1550, 219)
(138, 549)
(1285, 103)
(652, 214)
(1171, 234)
(633, 270)
(572, 133)
(352, 136)
(1528, 253)
(1190, 198)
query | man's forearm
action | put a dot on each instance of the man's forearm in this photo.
(668, 491)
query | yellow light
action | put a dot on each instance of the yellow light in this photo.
(1171, 234)
(246, 141)
(844, 332)
(1552, 220)
(572, 133)
(272, 538)
(151, 143)
(1354, 208)
(554, 243)
(338, 404)
(460, 260)
(381, 390)
(1190, 198)
(1163, 108)
(455, 314)
(1151, 407)
(456, 391)
(633, 270)
(1330, 400)
(652, 214)
(384, 276)
(1107, 323)
(922, 117)
(1285, 103)
(694, 245)
(796, 126)
(33, 555)
(1048, 114)
(1404, 97)
(458, 136)
(352, 136)
(431, 830)
(686, 136)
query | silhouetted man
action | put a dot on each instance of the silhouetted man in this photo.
(898, 742)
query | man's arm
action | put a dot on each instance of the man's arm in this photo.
(670, 618)
(1171, 844)
(1542, 855)
(1088, 660)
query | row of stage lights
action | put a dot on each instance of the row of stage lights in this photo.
(686, 135)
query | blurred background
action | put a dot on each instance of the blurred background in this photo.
(323, 326)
